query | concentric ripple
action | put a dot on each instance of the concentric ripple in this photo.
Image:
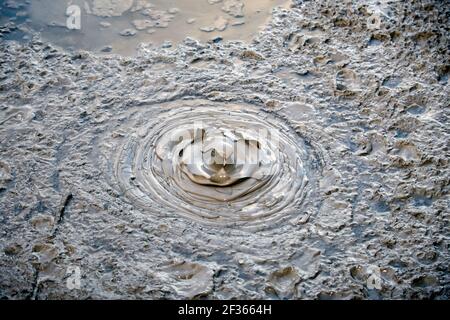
(221, 164)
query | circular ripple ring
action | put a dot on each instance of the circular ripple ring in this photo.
(219, 164)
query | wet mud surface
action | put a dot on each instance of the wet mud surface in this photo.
(120, 26)
(356, 202)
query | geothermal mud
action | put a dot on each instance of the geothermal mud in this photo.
(351, 204)
(219, 163)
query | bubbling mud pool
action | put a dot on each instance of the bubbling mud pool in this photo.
(120, 26)
(94, 175)
(221, 164)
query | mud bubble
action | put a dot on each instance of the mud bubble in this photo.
(220, 164)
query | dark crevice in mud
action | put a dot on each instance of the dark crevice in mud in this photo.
(64, 206)
(61, 212)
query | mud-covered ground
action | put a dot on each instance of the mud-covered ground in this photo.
(369, 98)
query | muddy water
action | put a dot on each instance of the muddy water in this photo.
(119, 27)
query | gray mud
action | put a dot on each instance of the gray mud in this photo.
(363, 101)
(120, 26)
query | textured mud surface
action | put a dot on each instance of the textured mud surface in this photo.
(365, 107)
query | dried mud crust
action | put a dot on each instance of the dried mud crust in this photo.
(372, 101)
